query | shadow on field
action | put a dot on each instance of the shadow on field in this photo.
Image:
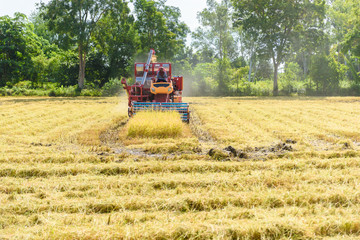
(53, 99)
(347, 99)
(211, 100)
(282, 98)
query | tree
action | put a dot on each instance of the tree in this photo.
(238, 76)
(274, 24)
(290, 75)
(203, 79)
(179, 31)
(116, 41)
(159, 27)
(41, 27)
(325, 74)
(346, 21)
(75, 21)
(262, 69)
(18, 45)
(214, 39)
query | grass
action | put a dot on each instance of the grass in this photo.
(154, 124)
(68, 170)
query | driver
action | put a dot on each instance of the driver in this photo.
(161, 75)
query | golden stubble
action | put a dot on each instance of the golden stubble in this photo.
(67, 171)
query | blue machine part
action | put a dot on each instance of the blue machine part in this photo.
(182, 108)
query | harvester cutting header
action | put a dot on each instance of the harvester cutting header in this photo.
(156, 89)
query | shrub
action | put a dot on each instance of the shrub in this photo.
(62, 91)
(325, 75)
(91, 93)
(259, 88)
(24, 84)
(112, 87)
(4, 91)
(354, 89)
(289, 81)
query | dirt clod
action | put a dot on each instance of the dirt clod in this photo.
(197, 150)
(231, 150)
(218, 154)
(287, 148)
(242, 154)
(281, 147)
(211, 152)
(290, 141)
(36, 144)
(40, 144)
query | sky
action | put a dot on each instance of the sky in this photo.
(189, 8)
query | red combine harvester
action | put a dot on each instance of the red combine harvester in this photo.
(154, 91)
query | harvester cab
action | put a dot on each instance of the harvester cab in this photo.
(154, 91)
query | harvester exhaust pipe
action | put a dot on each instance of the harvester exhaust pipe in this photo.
(152, 52)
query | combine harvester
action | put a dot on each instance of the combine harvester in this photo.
(151, 92)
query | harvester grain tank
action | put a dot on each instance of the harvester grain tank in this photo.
(152, 91)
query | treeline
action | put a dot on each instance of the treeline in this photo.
(267, 47)
(248, 47)
(83, 47)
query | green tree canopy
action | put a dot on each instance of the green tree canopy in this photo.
(18, 44)
(274, 24)
(215, 40)
(116, 40)
(76, 21)
(159, 27)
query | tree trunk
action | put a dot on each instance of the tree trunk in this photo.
(255, 67)
(82, 62)
(305, 65)
(4, 77)
(250, 69)
(237, 85)
(275, 88)
(221, 79)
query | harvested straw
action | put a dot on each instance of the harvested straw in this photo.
(153, 124)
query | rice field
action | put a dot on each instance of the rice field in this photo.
(70, 170)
